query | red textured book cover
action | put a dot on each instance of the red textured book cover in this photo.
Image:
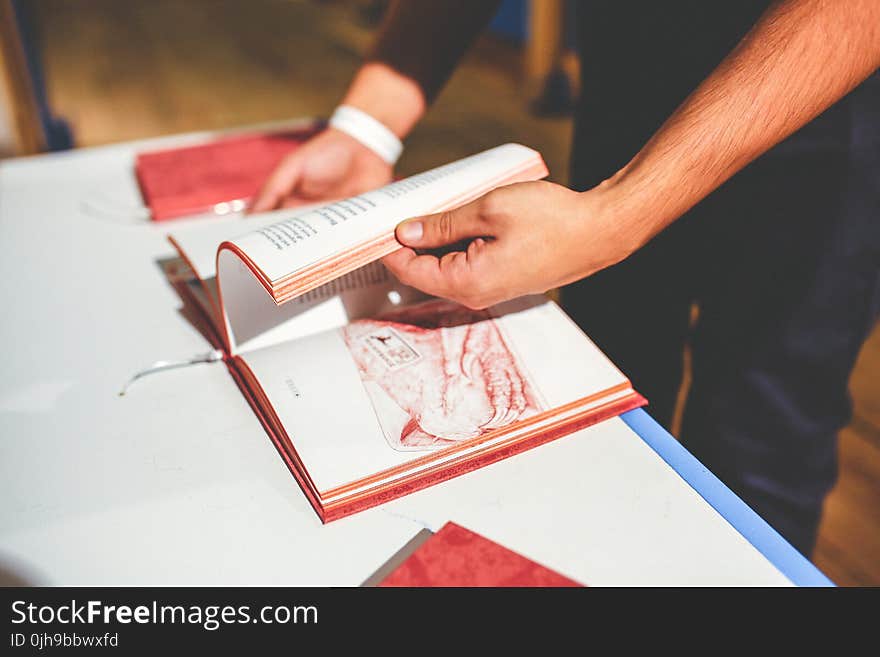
(194, 179)
(458, 557)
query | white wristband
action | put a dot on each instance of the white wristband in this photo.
(371, 133)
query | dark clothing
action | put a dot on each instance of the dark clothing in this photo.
(783, 261)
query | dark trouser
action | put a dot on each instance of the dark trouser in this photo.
(784, 263)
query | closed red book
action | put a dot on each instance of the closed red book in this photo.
(219, 176)
(456, 556)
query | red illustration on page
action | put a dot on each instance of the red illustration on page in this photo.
(438, 373)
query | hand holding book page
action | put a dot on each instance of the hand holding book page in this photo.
(307, 250)
(320, 265)
(369, 389)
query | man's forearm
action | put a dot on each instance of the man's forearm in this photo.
(418, 46)
(800, 58)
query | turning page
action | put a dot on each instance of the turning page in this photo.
(301, 253)
(261, 321)
(309, 257)
(371, 390)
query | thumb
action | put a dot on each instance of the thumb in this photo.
(280, 184)
(444, 228)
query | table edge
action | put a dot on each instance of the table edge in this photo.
(741, 517)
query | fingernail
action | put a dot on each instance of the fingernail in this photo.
(410, 231)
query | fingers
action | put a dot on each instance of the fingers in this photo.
(330, 166)
(455, 275)
(419, 271)
(442, 229)
(279, 185)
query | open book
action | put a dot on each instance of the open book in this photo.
(368, 388)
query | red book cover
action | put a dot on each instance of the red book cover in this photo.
(195, 179)
(458, 557)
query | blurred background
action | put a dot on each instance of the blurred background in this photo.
(93, 72)
(116, 71)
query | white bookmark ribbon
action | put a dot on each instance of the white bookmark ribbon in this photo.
(161, 365)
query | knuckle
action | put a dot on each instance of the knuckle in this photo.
(457, 271)
(445, 225)
(495, 202)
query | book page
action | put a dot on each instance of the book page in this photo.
(253, 320)
(286, 240)
(198, 241)
(293, 243)
(382, 392)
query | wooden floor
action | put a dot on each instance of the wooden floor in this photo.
(124, 70)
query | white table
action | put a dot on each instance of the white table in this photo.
(176, 483)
